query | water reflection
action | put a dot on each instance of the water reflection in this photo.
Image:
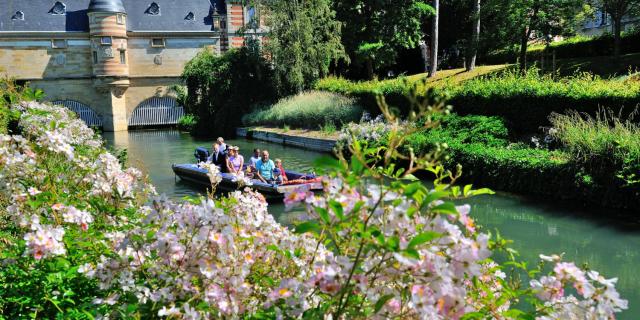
(600, 240)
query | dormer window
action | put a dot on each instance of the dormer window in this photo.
(190, 16)
(158, 43)
(58, 9)
(106, 41)
(19, 15)
(120, 18)
(59, 43)
(153, 10)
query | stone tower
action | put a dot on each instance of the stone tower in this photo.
(108, 32)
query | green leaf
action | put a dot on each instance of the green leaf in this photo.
(473, 315)
(423, 238)
(446, 208)
(412, 188)
(356, 165)
(307, 227)
(324, 214)
(327, 162)
(337, 209)
(382, 301)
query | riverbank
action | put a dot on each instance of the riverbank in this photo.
(307, 139)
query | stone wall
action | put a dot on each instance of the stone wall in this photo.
(29, 59)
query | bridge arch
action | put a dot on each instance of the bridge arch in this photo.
(84, 112)
(156, 111)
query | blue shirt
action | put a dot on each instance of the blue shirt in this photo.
(266, 169)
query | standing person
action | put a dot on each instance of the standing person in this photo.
(235, 161)
(223, 146)
(264, 168)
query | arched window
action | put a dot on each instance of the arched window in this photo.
(153, 10)
(19, 15)
(58, 9)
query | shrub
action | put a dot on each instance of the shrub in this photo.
(187, 122)
(312, 109)
(83, 239)
(526, 102)
(601, 144)
(221, 88)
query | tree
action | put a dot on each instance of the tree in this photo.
(618, 9)
(374, 31)
(303, 42)
(475, 37)
(434, 39)
(527, 20)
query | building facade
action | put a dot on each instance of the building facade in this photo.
(601, 23)
(113, 61)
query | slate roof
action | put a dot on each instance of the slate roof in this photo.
(173, 15)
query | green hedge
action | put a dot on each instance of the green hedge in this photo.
(525, 102)
(481, 145)
(575, 47)
(312, 110)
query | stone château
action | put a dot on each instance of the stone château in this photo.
(111, 57)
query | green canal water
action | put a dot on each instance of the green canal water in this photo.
(596, 238)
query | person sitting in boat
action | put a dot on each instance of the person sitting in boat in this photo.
(255, 158)
(264, 168)
(235, 161)
(279, 173)
(217, 157)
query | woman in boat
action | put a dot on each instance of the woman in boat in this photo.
(235, 161)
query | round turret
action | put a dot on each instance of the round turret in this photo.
(115, 6)
(108, 30)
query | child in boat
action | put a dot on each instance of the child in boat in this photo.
(279, 174)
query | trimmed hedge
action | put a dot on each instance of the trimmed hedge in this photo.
(488, 158)
(525, 102)
(575, 47)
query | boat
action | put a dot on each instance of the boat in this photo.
(194, 173)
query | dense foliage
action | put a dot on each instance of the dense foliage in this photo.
(78, 242)
(220, 88)
(525, 101)
(311, 110)
(582, 158)
(303, 42)
(375, 31)
(11, 93)
(605, 146)
(573, 47)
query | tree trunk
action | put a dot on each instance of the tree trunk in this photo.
(524, 41)
(617, 27)
(434, 39)
(475, 37)
(370, 68)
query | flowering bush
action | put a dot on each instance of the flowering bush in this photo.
(83, 237)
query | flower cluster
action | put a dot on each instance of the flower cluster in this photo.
(365, 248)
(597, 296)
(427, 256)
(183, 255)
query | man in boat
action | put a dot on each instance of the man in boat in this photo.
(264, 168)
(218, 158)
(255, 158)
